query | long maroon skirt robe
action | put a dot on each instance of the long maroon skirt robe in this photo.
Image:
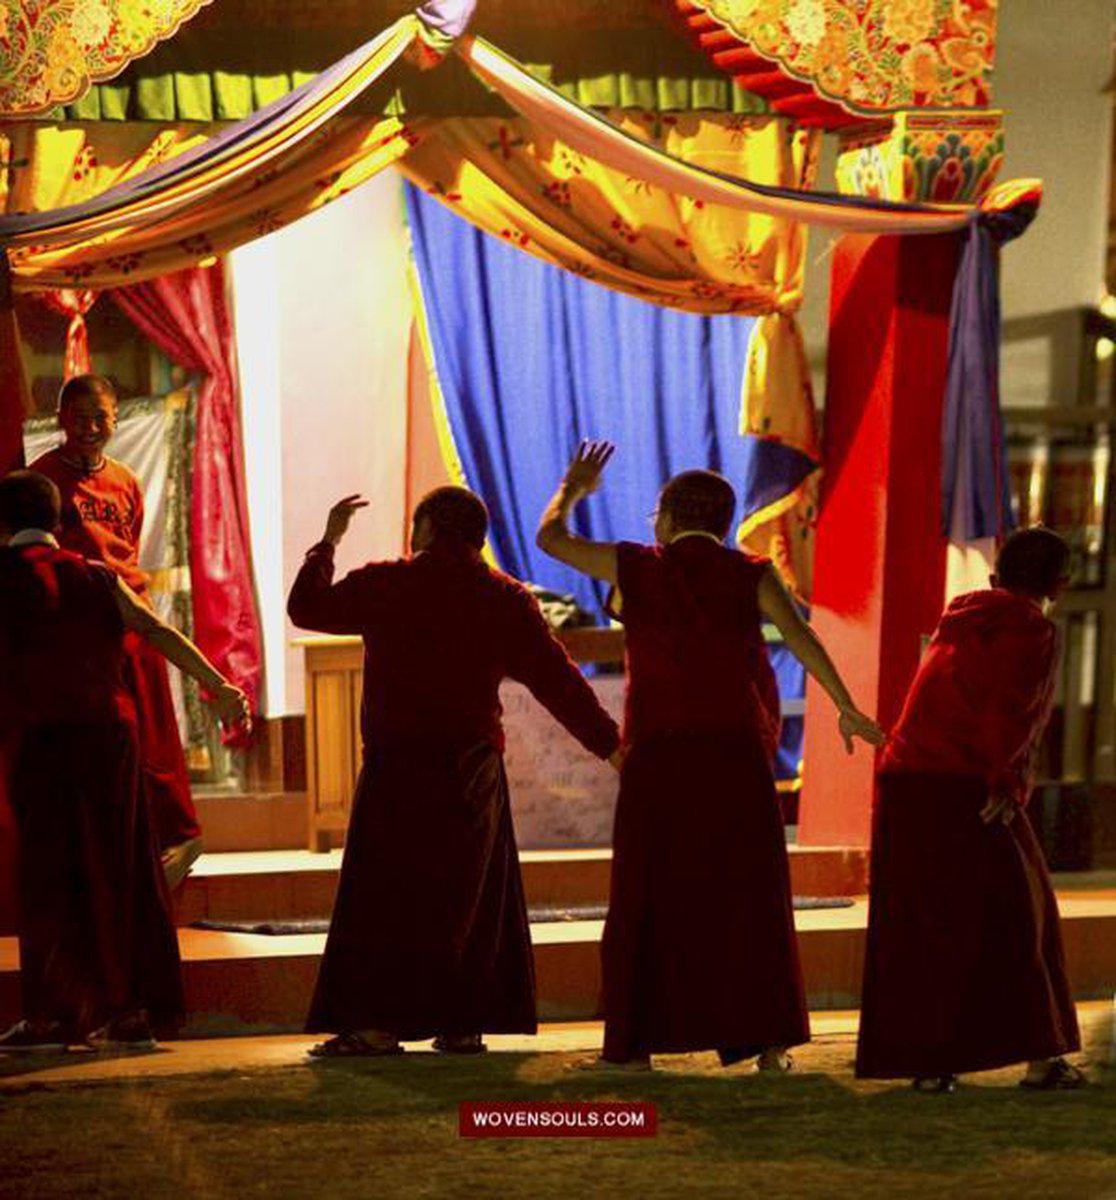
(699, 947)
(429, 934)
(964, 968)
(95, 932)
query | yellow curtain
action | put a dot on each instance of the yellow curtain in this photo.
(50, 166)
(521, 184)
(331, 163)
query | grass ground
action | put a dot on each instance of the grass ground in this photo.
(388, 1128)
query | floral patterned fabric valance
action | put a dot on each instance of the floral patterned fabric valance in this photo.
(866, 56)
(52, 51)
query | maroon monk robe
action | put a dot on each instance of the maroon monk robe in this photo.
(96, 936)
(964, 969)
(102, 518)
(429, 934)
(699, 947)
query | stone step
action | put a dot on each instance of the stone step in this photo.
(293, 884)
(242, 983)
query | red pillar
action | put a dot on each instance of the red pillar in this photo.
(879, 568)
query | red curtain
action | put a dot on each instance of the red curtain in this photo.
(187, 316)
(73, 303)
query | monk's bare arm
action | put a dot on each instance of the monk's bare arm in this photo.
(228, 700)
(777, 606)
(583, 476)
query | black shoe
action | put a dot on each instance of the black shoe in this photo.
(132, 1032)
(30, 1037)
(935, 1084)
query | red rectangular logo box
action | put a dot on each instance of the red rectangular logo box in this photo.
(556, 1119)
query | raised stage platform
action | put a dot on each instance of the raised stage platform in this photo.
(240, 983)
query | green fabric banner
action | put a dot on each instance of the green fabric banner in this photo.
(210, 74)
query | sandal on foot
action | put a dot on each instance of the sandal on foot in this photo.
(352, 1045)
(782, 1065)
(1060, 1076)
(468, 1043)
(934, 1085)
(626, 1065)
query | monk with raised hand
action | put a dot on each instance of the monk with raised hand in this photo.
(102, 519)
(964, 968)
(699, 949)
(98, 952)
(429, 937)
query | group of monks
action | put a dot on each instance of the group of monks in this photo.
(430, 937)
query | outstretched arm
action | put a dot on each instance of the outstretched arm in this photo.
(539, 661)
(777, 606)
(583, 477)
(230, 703)
(315, 601)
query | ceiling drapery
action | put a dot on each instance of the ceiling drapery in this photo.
(832, 62)
(52, 51)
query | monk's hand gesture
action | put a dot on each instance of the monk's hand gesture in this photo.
(999, 807)
(337, 524)
(583, 475)
(231, 706)
(854, 724)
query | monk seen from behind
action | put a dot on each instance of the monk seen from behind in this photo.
(699, 948)
(964, 968)
(429, 937)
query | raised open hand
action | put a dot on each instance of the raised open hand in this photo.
(337, 524)
(583, 475)
(854, 724)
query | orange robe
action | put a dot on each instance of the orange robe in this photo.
(102, 517)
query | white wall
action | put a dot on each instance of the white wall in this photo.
(1053, 62)
(323, 319)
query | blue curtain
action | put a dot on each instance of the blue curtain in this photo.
(532, 359)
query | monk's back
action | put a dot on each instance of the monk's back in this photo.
(448, 631)
(61, 639)
(696, 655)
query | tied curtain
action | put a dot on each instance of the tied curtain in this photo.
(526, 360)
(186, 314)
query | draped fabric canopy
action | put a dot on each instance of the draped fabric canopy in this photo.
(515, 179)
(293, 155)
(218, 189)
(537, 194)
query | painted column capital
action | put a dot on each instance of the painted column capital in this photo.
(948, 156)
